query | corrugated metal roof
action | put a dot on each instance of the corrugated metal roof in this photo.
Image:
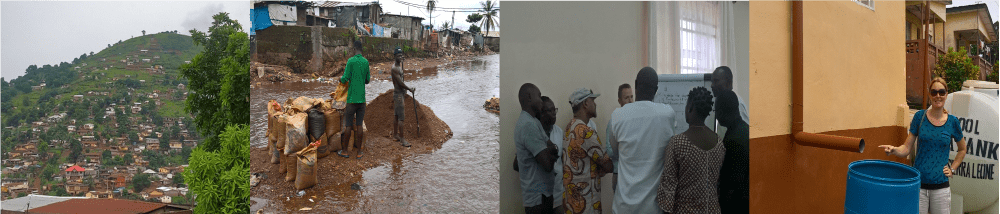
(21, 204)
(99, 205)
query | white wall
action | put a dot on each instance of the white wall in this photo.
(561, 46)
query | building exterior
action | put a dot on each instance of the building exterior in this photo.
(109, 206)
(349, 14)
(404, 27)
(969, 27)
(153, 144)
(860, 95)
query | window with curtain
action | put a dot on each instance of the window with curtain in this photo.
(699, 37)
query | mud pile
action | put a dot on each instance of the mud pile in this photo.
(380, 116)
(492, 105)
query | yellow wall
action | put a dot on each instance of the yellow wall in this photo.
(559, 47)
(854, 66)
(770, 68)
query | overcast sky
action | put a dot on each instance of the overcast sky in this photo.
(39, 33)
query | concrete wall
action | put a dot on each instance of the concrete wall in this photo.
(854, 84)
(561, 47)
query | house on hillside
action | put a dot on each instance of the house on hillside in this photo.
(153, 144)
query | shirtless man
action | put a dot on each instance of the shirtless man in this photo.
(399, 93)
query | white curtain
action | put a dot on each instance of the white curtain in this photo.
(699, 37)
(690, 37)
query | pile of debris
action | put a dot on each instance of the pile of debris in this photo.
(492, 105)
(273, 73)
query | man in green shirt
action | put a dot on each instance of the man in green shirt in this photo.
(356, 75)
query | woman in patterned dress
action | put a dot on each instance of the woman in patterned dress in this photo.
(692, 162)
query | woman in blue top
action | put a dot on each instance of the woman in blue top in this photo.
(935, 130)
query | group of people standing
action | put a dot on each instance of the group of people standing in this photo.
(356, 76)
(655, 168)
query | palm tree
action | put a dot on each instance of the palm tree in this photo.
(430, 11)
(489, 9)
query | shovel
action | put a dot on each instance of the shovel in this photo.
(415, 116)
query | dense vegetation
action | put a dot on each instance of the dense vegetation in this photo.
(220, 101)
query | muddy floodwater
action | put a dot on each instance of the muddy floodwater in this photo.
(460, 176)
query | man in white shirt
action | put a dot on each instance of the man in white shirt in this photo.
(722, 80)
(641, 130)
(625, 96)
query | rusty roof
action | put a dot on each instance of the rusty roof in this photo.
(99, 205)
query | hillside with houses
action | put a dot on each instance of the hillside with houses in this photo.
(109, 124)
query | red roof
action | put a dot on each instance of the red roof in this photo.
(98, 205)
(75, 168)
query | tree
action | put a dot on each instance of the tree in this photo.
(75, 149)
(430, 11)
(106, 156)
(140, 182)
(218, 102)
(446, 25)
(143, 32)
(219, 178)
(956, 67)
(128, 159)
(178, 178)
(490, 14)
(473, 19)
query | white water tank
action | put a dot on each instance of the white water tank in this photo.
(976, 180)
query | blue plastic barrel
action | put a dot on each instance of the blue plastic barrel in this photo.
(878, 186)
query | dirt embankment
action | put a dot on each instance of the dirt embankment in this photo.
(336, 174)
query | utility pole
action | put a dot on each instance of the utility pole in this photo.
(452, 19)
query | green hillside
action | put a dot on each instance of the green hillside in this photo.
(127, 72)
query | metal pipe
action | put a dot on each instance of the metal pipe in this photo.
(850, 144)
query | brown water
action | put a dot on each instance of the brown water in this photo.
(461, 176)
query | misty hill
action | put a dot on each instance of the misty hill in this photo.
(137, 70)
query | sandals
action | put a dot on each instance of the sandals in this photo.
(341, 154)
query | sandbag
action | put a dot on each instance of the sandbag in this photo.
(290, 169)
(303, 104)
(317, 124)
(275, 131)
(306, 167)
(295, 133)
(282, 163)
(340, 95)
(278, 133)
(334, 125)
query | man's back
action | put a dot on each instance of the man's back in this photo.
(642, 130)
(357, 72)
